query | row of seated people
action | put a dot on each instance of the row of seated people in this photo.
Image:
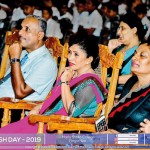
(79, 90)
(96, 20)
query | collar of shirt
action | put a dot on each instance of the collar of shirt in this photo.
(34, 53)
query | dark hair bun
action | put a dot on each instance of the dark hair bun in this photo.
(89, 44)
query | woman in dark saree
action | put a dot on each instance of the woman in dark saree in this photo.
(77, 92)
(134, 104)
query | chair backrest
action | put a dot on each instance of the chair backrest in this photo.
(3, 65)
(108, 60)
(58, 50)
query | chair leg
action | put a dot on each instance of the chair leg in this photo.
(9, 116)
(22, 114)
(60, 132)
(5, 118)
(41, 127)
(40, 131)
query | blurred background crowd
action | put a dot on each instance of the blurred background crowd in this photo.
(99, 18)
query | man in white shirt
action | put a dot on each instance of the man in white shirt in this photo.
(32, 78)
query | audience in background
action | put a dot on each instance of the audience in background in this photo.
(130, 33)
(134, 103)
(94, 22)
(102, 25)
(79, 16)
(141, 11)
(53, 27)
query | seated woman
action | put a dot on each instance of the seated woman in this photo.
(145, 126)
(78, 91)
(134, 104)
(130, 33)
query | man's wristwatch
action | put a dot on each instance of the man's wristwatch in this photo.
(14, 60)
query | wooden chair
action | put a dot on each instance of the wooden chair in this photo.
(108, 60)
(3, 65)
(58, 50)
(63, 123)
(9, 104)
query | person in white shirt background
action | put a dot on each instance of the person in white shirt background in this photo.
(80, 15)
(141, 11)
(53, 27)
(50, 4)
(94, 24)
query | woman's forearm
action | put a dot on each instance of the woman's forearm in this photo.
(67, 96)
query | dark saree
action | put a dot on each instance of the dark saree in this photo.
(132, 109)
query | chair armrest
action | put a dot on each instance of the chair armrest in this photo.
(71, 126)
(59, 118)
(7, 102)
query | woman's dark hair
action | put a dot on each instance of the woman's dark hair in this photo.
(133, 21)
(88, 44)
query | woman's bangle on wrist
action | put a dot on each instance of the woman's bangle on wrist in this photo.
(65, 82)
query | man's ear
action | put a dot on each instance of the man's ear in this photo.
(40, 35)
(134, 30)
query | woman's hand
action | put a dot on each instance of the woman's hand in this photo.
(114, 43)
(36, 110)
(67, 74)
(145, 126)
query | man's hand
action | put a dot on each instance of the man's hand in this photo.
(15, 50)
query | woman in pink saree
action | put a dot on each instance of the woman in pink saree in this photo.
(78, 91)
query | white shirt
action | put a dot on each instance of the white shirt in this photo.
(66, 15)
(146, 21)
(55, 12)
(39, 72)
(4, 5)
(3, 14)
(53, 29)
(17, 14)
(95, 21)
(71, 2)
(122, 9)
(79, 19)
(37, 12)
